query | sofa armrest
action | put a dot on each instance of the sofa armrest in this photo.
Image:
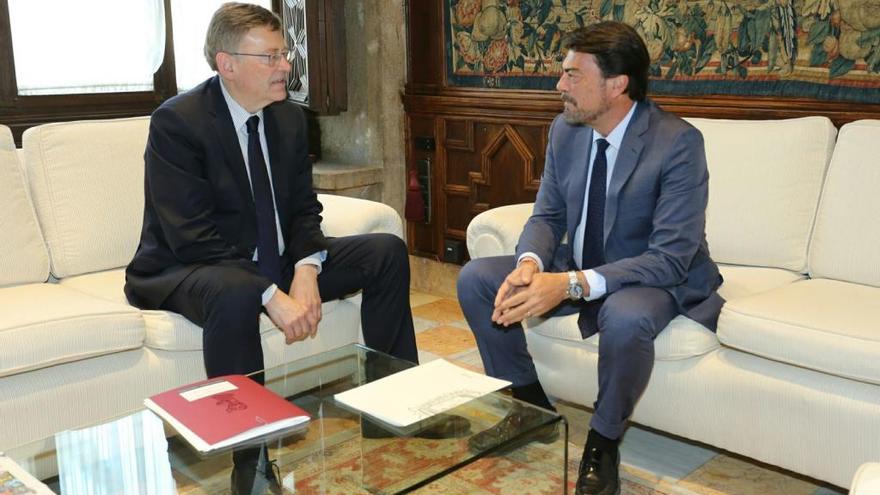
(495, 232)
(866, 480)
(349, 216)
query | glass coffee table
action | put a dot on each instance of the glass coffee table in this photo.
(338, 452)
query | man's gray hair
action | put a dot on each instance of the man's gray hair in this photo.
(229, 25)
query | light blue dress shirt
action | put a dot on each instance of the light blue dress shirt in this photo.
(614, 138)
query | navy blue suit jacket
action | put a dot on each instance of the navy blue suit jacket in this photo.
(198, 205)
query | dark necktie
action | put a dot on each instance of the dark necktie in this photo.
(594, 228)
(594, 235)
(267, 234)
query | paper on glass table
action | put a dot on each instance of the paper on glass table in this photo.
(418, 393)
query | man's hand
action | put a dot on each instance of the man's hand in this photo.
(289, 315)
(544, 292)
(520, 277)
(304, 289)
(297, 314)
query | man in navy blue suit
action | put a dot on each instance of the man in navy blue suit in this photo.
(232, 226)
(627, 184)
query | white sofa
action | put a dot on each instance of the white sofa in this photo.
(866, 480)
(792, 377)
(72, 351)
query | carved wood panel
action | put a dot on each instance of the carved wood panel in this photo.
(497, 163)
(478, 164)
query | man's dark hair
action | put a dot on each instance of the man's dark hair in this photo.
(619, 50)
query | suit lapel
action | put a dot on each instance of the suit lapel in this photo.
(627, 158)
(279, 172)
(579, 159)
(222, 123)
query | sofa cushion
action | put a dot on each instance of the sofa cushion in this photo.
(164, 329)
(847, 233)
(107, 285)
(823, 325)
(24, 259)
(763, 190)
(681, 339)
(742, 281)
(87, 181)
(173, 332)
(46, 324)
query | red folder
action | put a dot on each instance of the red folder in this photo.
(225, 411)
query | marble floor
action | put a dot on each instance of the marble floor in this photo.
(664, 464)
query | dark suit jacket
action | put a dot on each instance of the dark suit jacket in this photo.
(198, 205)
(655, 210)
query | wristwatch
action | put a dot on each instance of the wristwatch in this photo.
(575, 289)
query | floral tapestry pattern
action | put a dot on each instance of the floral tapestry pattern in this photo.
(820, 49)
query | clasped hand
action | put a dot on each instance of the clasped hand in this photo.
(526, 293)
(297, 315)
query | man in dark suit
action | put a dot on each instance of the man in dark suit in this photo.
(627, 183)
(232, 226)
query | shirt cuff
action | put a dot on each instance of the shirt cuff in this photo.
(268, 293)
(597, 284)
(315, 259)
(534, 257)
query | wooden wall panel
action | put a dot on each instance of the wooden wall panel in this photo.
(479, 164)
(494, 172)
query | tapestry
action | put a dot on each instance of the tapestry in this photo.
(816, 49)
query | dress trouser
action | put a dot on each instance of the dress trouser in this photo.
(225, 300)
(628, 322)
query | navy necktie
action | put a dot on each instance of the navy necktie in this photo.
(594, 236)
(268, 259)
(594, 228)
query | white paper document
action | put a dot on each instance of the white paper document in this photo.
(418, 393)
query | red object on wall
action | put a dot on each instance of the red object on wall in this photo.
(415, 201)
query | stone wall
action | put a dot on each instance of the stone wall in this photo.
(371, 132)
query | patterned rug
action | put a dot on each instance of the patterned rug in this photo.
(377, 466)
(349, 465)
(356, 466)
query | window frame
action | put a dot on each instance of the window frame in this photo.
(22, 112)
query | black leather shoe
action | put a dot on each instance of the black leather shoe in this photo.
(441, 426)
(511, 425)
(256, 476)
(446, 426)
(599, 473)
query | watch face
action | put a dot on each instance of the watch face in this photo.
(575, 292)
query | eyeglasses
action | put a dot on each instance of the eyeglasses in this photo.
(271, 59)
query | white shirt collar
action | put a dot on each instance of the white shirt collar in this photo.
(615, 137)
(238, 113)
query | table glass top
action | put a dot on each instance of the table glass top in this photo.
(338, 452)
